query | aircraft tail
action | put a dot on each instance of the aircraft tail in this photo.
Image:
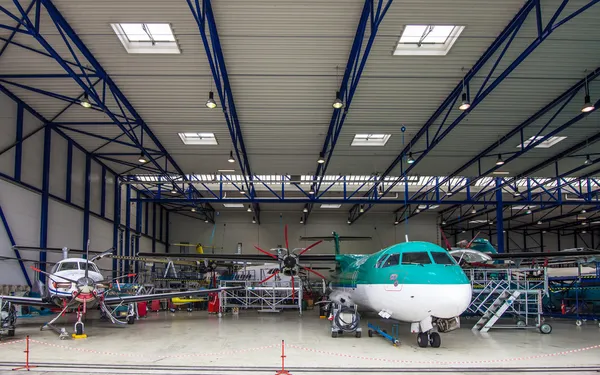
(484, 246)
(336, 239)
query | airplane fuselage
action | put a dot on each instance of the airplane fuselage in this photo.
(410, 282)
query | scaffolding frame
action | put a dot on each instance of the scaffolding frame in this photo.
(266, 298)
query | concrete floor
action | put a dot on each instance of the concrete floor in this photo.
(251, 342)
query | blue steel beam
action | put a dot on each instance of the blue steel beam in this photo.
(370, 18)
(564, 98)
(505, 38)
(204, 17)
(77, 48)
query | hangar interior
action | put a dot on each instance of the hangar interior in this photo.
(160, 133)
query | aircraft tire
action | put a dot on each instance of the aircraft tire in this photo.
(334, 334)
(435, 340)
(422, 340)
(370, 333)
(11, 332)
(358, 335)
(130, 319)
(79, 329)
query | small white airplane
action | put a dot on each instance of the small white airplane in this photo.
(76, 283)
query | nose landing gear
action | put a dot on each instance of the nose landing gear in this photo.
(429, 338)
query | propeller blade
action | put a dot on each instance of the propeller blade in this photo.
(268, 278)
(287, 245)
(470, 242)
(124, 276)
(266, 252)
(52, 275)
(310, 247)
(293, 289)
(313, 271)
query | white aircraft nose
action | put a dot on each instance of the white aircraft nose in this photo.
(455, 300)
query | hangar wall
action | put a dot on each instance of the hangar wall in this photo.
(535, 240)
(22, 188)
(234, 228)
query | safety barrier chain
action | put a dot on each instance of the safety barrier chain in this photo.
(334, 354)
(164, 357)
(446, 362)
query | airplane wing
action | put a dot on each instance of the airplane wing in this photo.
(551, 254)
(56, 250)
(240, 257)
(331, 238)
(27, 301)
(151, 297)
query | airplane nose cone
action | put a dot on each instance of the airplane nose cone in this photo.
(86, 285)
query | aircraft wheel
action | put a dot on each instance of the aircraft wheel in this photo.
(435, 340)
(545, 328)
(79, 329)
(334, 334)
(130, 319)
(358, 334)
(422, 340)
(521, 323)
(190, 309)
(370, 333)
(578, 323)
(11, 332)
(172, 310)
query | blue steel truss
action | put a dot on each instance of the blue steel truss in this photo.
(502, 44)
(204, 17)
(371, 17)
(104, 95)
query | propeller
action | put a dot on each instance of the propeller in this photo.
(290, 262)
(470, 242)
(52, 275)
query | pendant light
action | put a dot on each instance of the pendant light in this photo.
(465, 104)
(85, 102)
(499, 161)
(587, 105)
(321, 158)
(410, 159)
(231, 159)
(142, 159)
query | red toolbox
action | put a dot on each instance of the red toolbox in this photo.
(155, 305)
(142, 309)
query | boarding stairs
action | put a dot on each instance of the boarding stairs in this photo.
(496, 310)
(508, 292)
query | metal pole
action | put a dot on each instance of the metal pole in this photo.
(499, 217)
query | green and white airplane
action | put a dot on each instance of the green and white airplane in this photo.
(416, 282)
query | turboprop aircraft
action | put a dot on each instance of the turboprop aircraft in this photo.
(76, 283)
(416, 282)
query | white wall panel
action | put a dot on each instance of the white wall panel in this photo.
(146, 245)
(110, 195)
(22, 210)
(65, 225)
(32, 157)
(235, 228)
(101, 238)
(95, 187)
(78, 178)
(8, 120)
(160, 248)
(58, 165)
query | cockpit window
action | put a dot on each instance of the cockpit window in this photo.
(380, 261)
(416, 258)
(441, 258)
(392, 260)
(69, 266)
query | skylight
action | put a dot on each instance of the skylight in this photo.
(233, 205)
(427, 40)
(146, 37)
(370, 139)
(551, 141)
(331, 205)
(479, 221)
(205, 139)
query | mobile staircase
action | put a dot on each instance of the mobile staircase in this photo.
(508, 292)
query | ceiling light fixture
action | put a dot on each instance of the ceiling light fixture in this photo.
(193, 209)
(583, 211)
(305, 210)
(583, 232)
(85, 102)
(249, 208)
(449, 193)
(242, 191)
(321, 158)
(312, 190)
(443, 222)
(499, 161)
(517, 193)
(473, 211)
(410, 159)
(465, 103)
(362, 209)
(206, 220)
(210, 103)
(173, 190)
(418, 210)
(142, 159)
(301, 220)
(253, 220)
(587, 105)
(584, 223)
(539, 222)
(588, 160)
(337, 103)
(396, 222)
(528, 212)
(231, 159)
(349, 222)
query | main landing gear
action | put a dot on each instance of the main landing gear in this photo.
(429, 338)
